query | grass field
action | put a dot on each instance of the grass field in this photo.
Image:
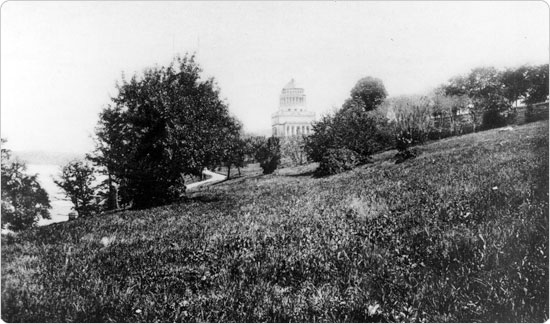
(458, 234)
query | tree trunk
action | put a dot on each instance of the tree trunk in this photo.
(113, 194)
(228, 170)
(239, 169)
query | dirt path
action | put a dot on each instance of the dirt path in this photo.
(214, 177)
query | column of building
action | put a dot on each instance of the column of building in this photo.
(292, 130)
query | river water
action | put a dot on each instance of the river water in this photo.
(60, 205)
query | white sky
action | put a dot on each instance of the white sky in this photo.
(60, 60)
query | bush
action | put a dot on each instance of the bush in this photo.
(352, 128)
(413, 119)
(413, 123)
(337, 161)
(292, 150)
(359, 126)
(269, 155)
(536, 112)
(493, 119)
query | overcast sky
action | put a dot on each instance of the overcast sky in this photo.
(60, 60)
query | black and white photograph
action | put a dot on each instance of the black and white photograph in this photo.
(274, 161)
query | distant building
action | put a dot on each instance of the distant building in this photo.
(292, 118)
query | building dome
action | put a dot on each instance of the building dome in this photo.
(292, 118)
(292, 98)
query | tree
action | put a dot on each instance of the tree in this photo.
(368, 93)
(269, 155)
(484, 87)
(353, 128)
(358, 126)
(515, 83)
(537, 79)
(363, 132)
(24, 201)
(321, 139)
(165, 124)
(234, 153)
(77, 180)
(292, 148)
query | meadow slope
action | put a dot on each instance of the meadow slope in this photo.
(458, 234)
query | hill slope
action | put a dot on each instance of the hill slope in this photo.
(458, 234)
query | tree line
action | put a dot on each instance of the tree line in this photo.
(361, 127)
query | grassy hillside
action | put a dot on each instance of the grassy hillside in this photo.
(458, 234)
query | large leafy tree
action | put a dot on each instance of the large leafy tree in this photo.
(24, 201)
(164, 124)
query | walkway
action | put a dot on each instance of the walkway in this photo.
(214, 177)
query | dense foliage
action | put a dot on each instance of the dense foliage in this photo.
(493, 92)
(161, 126)
(358, 128)
(78, 181)
(459, 234)
(24, 201)
(367, 94)
(268, 154)
(352, 128)
(337, 161)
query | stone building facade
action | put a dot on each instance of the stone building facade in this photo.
(292, 118)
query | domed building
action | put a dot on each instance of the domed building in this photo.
(292, 118)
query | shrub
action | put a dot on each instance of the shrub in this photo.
(493, 119)
(413, 123)
(292, 149)
(358, 126)
(269, 155)
(413, 119)
(536, 112)
(352, 128)
(337, 161)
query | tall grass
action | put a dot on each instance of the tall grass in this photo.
(458, 234)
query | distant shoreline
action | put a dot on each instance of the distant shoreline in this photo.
(46, 157)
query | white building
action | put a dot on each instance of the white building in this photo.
(292, 118)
